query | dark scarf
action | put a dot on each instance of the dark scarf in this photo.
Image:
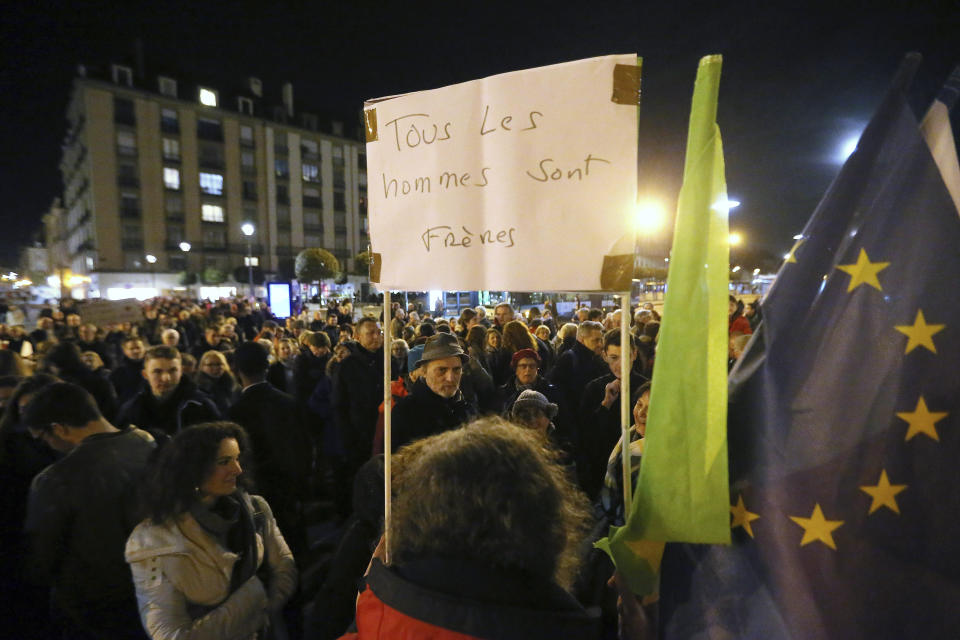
(230, 520)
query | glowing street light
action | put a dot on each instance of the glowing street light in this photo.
(185, 247)
(799, 236)
(756, 271)
(736, 239)
(248, 230)
(649, 216)
(152, 259)
(735, 269)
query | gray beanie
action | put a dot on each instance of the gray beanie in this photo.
(535, 399)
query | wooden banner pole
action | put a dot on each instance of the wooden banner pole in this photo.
(387, 433)
(626, 361)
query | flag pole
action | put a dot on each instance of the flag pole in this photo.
(626, 355)
(387, 433)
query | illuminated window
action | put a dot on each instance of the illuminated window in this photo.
(281, 167)
(211, 183)
(211, 213)
(126, 143)
(208, 97)
(169, 121)
(122, 75)
(246, 134)
(311, 173)
(168, 86)
(171, 149)
(171, 178)
(251, 261)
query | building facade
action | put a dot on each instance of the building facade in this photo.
(160, 178)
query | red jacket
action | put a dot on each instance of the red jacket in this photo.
(452, 599)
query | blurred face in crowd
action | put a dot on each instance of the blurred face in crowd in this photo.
(170, 338)
(543, 333)
(503, 315)
(285, 350)
(593, 340)
(331, 319)
(527, 369)
(88, 333)
(45, 323)
(163, 375)
(612, 356)
(133, 349)
(396, 349)
(212, 366)
(222, 480)
(212, 336)
(91, 359)
(582, 314)
(370, 336)
(493, 339)
(443, 376)
(640, 412)
(340, 352)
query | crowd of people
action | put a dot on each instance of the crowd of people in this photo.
(160, 478)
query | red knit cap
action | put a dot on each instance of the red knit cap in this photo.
(521, 354)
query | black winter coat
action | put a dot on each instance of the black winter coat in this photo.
(423, 413)
(187, 405)
(357, 393)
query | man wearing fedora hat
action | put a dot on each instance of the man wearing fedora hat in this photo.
(435, 403)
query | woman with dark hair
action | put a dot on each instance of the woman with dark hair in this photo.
(516, 336)
(476, 345)
(65, 362)
(611, 495)
(209, 560)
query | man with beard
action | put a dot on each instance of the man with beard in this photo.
(435, 403)
(170, 402)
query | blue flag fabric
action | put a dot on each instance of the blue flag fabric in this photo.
(844, 422)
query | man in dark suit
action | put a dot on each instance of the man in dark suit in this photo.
(282, 455)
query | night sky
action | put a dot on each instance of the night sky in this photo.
(797, 82)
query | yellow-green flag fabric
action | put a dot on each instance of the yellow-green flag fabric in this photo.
(682, 492)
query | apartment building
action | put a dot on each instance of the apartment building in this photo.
(163, 176)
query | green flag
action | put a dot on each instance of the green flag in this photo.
(682, 492)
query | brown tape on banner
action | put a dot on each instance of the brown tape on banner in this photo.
(370, 119)
(617, 273)
(626, 84)
(376, 261)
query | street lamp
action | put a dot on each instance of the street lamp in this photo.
(152, 259)
(185, 247)
(248, 230)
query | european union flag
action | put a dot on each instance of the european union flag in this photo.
(844, 422)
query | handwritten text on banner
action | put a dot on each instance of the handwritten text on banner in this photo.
(521, 181)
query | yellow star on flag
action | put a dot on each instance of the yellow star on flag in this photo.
(816, 527)
(863, 272)
(884, 494)
(922, 420)
(792, 256)
(920, 333)
(742, 517)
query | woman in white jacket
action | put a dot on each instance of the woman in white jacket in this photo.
(209, 561)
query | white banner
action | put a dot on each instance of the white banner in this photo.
(522, 181)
